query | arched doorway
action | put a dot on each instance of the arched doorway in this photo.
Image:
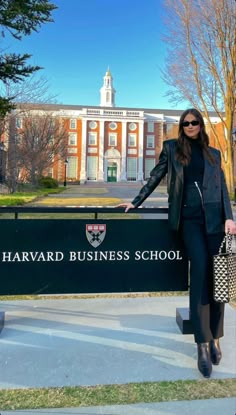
(112, 172)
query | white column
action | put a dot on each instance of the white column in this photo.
(123, 175)
(140, 151)
(83, 175)
(101, 153)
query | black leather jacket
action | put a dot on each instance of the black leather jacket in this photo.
(217, 206)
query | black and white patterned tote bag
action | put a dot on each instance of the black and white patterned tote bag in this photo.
(224, 267)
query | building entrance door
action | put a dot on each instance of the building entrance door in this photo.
(112, 173)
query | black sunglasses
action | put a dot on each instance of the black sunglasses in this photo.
(193, 123)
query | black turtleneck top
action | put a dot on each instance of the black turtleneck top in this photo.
(195, 170)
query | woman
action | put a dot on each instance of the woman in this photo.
(200, 210)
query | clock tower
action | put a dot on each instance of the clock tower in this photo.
(107, 92)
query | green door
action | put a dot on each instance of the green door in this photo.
(112, 173)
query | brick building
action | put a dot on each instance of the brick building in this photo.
(109, 143)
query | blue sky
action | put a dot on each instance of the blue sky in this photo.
(90, 35)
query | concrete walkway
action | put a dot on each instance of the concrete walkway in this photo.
(102, 341)
(207, 407)
(74, 342)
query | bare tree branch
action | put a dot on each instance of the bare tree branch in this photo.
(35, 147)
(201, 62)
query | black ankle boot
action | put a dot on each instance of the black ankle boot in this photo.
(215, 351)
(204, 360)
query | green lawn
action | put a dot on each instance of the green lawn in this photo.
(42, 198)
(19, 399)
(22, 198)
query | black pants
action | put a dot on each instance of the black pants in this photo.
(207, 316)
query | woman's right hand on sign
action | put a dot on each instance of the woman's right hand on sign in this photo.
(127, 206)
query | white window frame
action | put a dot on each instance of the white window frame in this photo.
(72, 168)
(132, 168)
(92, 139)
(73, 124)
(113, 125)
(132, 137)
(169, 127)
(150, 127)
(93, 125)
(19, 122)
(150, 141)
(72, 139)
(92, 167)
(149, 164)
(132, 126)
(112, 136)
(50, 172)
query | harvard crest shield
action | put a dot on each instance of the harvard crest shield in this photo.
(95, 234)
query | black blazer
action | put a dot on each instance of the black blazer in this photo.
(217, 207)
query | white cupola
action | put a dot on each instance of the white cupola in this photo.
(107, 92)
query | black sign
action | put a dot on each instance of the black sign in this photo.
(90, 256)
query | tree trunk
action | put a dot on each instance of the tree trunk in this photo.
(228, 170)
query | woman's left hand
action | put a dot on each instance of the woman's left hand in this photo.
(230, 226)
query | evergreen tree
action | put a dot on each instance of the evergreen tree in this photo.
(20, 18)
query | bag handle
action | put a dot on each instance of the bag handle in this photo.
(228, 241)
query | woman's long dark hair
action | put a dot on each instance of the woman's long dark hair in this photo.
(183, 149)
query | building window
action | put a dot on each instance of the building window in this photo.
(73, 123)
(150, 141)
(92, 165)
(72, 139)
(150, 127)
(131, 169)
(92, 139)
(132, 126)
(112, 140)
(113, 125)
(18, 138)
(71, 171)
(132, 140)
(92, 125)
(18, 122)
(149, 165)
(50, 172)
(51, 140)
(71, 150)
